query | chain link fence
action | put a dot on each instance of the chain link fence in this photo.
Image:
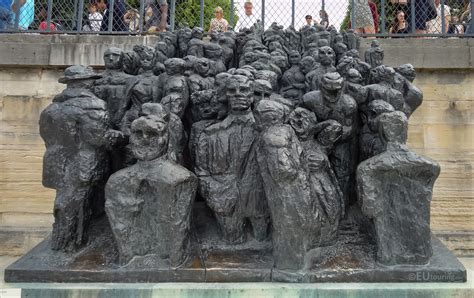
(380, 18)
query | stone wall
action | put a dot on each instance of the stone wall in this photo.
(442, 128)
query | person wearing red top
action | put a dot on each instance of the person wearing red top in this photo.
(375, 15)
(42, 15)
(44, 25)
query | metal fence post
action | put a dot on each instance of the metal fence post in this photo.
(80, 15)
(412, 16)
(443, 23)
(231, 18)
(293, 13)
(471, 25)
(353, 22)
(323, 5)
(111, 15)
(141, 13)
(384, 17)
(263, 13)
(172, 14)
(75, 15)
(49, 14)
(17, 14)
(201, 15)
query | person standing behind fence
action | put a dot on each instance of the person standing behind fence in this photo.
(399, 25)
(26, 9)
(132, 18)
(158, 20)
(6, 14)
(309, 20)
(435, 26)
(43, 17)
(248, 18)
(466, 19)
(363, 19)
(218, 24)
(118, 23)
(422, 12)
(95, 17)
(324, 18)
(375, 15)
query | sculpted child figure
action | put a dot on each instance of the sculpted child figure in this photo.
(322, 180)
(282, 166)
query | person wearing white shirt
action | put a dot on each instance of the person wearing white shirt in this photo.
(435, 26)
(247, 19)
(95, 17)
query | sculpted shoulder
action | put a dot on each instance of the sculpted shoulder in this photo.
(312, 98)
(170, 172)
(349, 102)
(277, 136)
(245, 120)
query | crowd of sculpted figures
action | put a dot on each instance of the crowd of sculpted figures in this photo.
(282, 133)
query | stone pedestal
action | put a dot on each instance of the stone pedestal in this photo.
(352, 259)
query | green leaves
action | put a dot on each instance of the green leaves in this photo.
(188, 12)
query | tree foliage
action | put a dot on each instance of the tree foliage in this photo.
(188, 12)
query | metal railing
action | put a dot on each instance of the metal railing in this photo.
(378, 18)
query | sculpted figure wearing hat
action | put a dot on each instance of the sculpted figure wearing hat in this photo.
(76, 131)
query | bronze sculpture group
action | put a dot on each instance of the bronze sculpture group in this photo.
(287, 137)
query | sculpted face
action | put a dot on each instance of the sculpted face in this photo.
(269, 113)
(331, 86)
(326, 56)
(162, 47)
(220, 84)
(307, 64)
(201, 66)
(374, 109)
(262, 88)
(149, 137)
(354, 76)
(274, 46)
(197, 33)
(408, 71)
(302, 121)
(393, 127)
(113, 58)
(175, 66)
(147, 63)
(204, 105)
(338, 38)
(294, 58)
(213, 51)
(330, 134)
(250, 57)
(239, 93)
(382, 73)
